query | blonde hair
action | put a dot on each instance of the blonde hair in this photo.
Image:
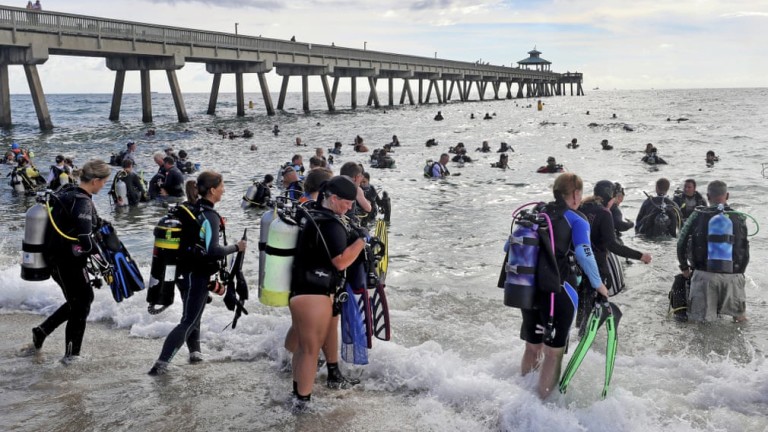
(566, 184)
(93, 169)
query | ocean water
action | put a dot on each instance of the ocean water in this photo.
(453, 362)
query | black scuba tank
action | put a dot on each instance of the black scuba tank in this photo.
(164, 258)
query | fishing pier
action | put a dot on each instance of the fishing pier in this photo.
(29, 37)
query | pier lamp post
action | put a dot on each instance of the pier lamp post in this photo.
(236, 24)
(365, 46)
(435, 54)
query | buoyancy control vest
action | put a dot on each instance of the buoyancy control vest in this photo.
(193, 252)
(532, 262)
(719, 240)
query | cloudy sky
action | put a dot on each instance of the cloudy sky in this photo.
(637, 44)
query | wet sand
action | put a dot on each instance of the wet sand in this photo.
(109, 389)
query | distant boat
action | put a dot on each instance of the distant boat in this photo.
(596, 88)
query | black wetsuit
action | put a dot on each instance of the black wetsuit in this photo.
(155, 183)
(75, 215)
(133, 186)
(313, 272)
(646, 222)
(619, 222)
(688, 204)
(193, 282)
(173, 184)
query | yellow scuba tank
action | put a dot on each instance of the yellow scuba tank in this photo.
(163, 270)
(279, 254)
(33, 266)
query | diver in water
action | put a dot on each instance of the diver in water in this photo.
(503, 162)
(551, 167)
(485, 148)
(651, 157)
(604, 144)
(439, 116)
(711, 158)
(75, 216)
(573, 144)
(659, 215)
(689, 198)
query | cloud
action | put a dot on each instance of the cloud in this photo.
(270, 5)
(745, 14)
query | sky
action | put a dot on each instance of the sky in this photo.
(638, 44)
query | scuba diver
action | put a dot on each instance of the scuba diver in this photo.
(603, 237)
(573, 144)
(485, 148)
(336, 148)
(545, 329)
(503, 162)
(201, 257)
(461, 156)
(659, 215)
(621, 223)
(605, 145)
(652, 158)
(713, 245)
(72, 214)
(395, 141)
(431, 142)
(688, 199)
(58, 174)
(551, 167)
(487, 117)
(156, 182)
(315, 279)
(185, 166)
(292, 186)
(711, 158)
(259, 194)
(381, 159)
(437, 169)
(134, 189)
(504, 147)
(439, 116)
(25, 178)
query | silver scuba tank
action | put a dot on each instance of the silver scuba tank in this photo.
(33, 266)
(16, 182)
(121, 192)
(250, 194)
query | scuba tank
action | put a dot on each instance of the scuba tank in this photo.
(266, 220)
(720, 243)
(522, 249)
(163, 271)
(121, 192)
(16, 182)
(33, 266)
(249, 196)
(428, 168)
(278, 261)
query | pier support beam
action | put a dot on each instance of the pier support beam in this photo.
(305, 93)
(5, 97)
(390, 91)
(146, 97)
(38, 97)
(117, 95)
(283, 92)
(437, 91)
(178, 99)
(353, 98)
(374, 95)
(421, 92)
(329, 98)
(239, 94)
(407, 91)
(509, 89)
(335, 88)
(265, 93)
(214, 94)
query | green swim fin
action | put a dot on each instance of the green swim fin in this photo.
(593, 324)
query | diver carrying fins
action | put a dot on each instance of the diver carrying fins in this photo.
(603, 312)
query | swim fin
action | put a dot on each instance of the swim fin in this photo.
(593, 323)
(611, 325)
(380, 312)
(126, 276)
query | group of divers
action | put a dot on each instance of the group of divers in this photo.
(318, 256)
(322, 253)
